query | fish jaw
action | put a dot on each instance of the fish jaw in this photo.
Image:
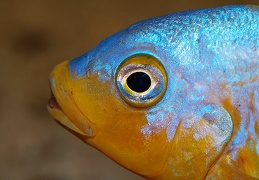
(61, 105)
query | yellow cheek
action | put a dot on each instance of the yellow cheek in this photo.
(99, 102)
(119, 127)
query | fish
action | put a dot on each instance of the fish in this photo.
(170, 97)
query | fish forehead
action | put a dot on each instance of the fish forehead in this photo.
(171, 35)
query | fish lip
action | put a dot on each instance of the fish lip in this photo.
(53, 103)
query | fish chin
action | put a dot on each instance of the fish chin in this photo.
(58, 114)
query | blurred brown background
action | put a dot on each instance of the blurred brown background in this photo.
(35, 35)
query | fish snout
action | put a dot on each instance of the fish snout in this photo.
(61, 105)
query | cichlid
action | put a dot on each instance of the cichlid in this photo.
(173, 97)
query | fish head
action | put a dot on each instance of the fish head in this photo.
(160, 97)
(105, 97)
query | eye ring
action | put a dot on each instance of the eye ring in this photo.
(141, 80)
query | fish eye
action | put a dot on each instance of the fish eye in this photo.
(141, 80)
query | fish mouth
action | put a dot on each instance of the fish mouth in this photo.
(53, 103)
(62, 107)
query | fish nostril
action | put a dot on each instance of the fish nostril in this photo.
(88, 73)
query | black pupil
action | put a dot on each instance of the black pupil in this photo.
(139, 82)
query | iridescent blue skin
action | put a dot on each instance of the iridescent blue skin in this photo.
(210, 55)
